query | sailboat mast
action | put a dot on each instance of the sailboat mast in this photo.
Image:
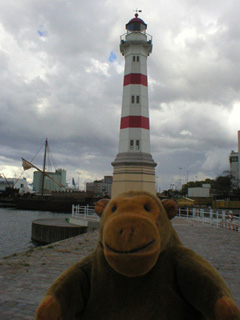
(44, 164)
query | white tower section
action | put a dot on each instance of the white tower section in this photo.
(234, 160)
(134, 166)
(134, 130)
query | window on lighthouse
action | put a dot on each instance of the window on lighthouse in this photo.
(135, 99)
(135, 58)
(137, 144)
(131, 144)
(135, 27)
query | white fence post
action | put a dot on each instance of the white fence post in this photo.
(211, 216)
(223, 216)
(73, 210)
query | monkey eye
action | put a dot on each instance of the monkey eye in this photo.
(147, 207)
(114, 208)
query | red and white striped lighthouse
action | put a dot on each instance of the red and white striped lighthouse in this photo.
(134, 168)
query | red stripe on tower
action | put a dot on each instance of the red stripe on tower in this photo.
(134, 122)
(135, 78)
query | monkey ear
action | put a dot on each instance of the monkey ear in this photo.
(170, 207)
(100, 206)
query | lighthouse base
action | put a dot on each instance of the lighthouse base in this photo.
(133, 171)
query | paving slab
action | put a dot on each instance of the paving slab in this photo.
(25, 276)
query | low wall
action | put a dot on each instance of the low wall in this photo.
(45, 231)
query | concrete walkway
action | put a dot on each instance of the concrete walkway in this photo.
(25, 277)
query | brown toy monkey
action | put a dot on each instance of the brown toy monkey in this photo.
(139, 271)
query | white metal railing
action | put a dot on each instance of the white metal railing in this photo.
(84, 212)
(123, 36)
(219, 218)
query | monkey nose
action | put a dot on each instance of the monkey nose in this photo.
(126, 234)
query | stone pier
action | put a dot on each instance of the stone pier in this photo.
(25, 276)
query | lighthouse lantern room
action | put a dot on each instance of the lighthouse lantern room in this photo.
(134, 167)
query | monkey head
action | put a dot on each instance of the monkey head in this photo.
(134, 230)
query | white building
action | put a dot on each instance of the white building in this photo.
(200, 192)
(134, 167)
(20, 184)
(49, 185)
(235, 165)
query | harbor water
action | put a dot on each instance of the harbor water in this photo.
(15, 229)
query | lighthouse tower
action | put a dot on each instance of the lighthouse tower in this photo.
(134, 168)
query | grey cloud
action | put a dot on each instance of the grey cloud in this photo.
(73, 94)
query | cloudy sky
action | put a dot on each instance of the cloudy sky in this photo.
(61, 77)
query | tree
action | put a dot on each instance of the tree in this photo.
(195, 184)
(223, 183)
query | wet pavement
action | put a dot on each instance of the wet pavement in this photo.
(25, 276)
